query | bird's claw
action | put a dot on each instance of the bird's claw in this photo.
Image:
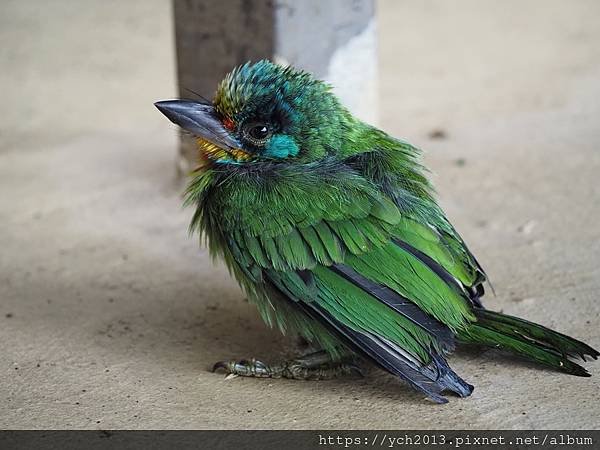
(219, 365)
(244, 368)
(298, 369)
(353, 369)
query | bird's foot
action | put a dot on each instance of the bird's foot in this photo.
(314, 366)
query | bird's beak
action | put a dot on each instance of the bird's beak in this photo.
(201, 120)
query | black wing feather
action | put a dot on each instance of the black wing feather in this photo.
(401, 305)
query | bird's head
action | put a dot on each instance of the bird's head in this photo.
(264, 112)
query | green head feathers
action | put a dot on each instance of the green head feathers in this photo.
(280, 112)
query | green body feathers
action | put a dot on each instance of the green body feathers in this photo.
(331, 227)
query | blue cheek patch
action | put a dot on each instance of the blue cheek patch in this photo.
(281, 146)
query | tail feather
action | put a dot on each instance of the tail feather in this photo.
(528, 339)
(540, 334)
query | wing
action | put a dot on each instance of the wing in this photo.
(393, 165)
(340, 250)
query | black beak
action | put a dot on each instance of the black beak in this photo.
(200, 119)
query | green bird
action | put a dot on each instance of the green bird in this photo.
(332, 229)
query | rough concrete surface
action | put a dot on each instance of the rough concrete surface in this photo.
(110, 315)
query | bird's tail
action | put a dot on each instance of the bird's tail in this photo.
(529, 340)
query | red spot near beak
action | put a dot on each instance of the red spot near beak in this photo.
(228, 123)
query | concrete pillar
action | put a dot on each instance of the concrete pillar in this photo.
(333, 39)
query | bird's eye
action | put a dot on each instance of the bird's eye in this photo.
(257, 132)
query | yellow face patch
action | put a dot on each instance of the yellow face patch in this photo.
(216, 153)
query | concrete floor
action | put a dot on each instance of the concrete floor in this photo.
(110, 315)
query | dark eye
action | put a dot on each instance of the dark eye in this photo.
(257, 132)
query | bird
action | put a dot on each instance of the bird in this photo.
(332, 228)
